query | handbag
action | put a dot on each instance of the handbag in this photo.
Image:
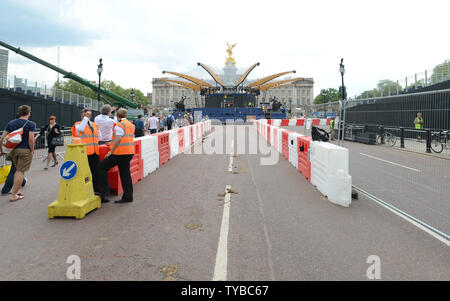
(57, 140)
(13, 139)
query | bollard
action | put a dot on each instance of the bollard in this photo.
(402, 137)
(382, 133)
(428, 140)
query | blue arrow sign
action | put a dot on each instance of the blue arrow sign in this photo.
(68, 170)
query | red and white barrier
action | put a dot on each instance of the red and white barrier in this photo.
(323, 164)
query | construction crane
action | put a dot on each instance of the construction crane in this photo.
(121, 101)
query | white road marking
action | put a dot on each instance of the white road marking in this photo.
(230, 166)
(220, 269)
(410, 168)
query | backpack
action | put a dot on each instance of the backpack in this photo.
(169, 121)
(319, 134)
(13, 139)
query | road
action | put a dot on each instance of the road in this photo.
(279, 228)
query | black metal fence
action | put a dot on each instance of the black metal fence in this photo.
(41, 109)
(401, 110)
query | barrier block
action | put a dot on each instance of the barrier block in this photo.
(285, 144)
(293, 152)
(163, 147)
(284, 122)
(304, 163)
(300, 122)
(276, 122)
(315, 121)
(149, 153)
(191, 129)
(76, 195)
(329, 172)
(173, 141)
(180, 140)
(187, 137)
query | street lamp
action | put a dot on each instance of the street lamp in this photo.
(342, 120)
(342, 70)
(99, 72)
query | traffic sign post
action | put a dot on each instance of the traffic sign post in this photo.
(68, 170)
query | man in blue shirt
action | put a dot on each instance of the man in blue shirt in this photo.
(169, 122)
(139, 127)
(22, 154)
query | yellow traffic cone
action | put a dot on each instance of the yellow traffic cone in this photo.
(76, 192)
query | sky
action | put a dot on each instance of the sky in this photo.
(137, 40)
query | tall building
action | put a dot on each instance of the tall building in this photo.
(165, 95)
(3, 68)
(298, 95)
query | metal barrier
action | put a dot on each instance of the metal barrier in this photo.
(405, 167)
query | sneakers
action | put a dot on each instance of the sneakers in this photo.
(122, 201)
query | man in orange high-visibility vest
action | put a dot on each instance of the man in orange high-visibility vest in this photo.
(121, 153)
(86, 132)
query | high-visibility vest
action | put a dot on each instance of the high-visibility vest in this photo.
(419, 125)
(126, 146)
(332, 124)
(87, 137)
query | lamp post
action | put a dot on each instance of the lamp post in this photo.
(344, 102)
(99, 72)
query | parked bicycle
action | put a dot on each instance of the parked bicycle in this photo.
(388, 138)
(440, 141)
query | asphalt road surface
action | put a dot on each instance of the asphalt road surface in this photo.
(279, 228)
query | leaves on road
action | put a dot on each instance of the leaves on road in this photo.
(193, 226)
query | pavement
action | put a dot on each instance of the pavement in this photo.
(280, 228)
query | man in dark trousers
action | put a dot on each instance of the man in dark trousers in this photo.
(121, 153)
(86, 132)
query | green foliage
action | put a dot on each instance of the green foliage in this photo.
(77, 88)
(440, 73)
(327, 95)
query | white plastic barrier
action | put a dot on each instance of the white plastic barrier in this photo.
(194, 133)
(293, 122)
(149, 153)
(276, 122)
(272, 129)
(329, 172)
(280, 140)
(293, 152)
(173, 142)
(187, 137)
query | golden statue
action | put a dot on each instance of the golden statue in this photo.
(230, 52)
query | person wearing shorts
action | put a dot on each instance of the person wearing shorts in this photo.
(22, 154)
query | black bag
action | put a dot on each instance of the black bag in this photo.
(319, 134)
(57, 140)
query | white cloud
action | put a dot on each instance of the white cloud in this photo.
(139, 39)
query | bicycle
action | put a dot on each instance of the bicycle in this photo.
(439, 141)
(388, 139)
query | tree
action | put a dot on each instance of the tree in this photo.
(327, 95)
(440, 73)
(77, 88)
